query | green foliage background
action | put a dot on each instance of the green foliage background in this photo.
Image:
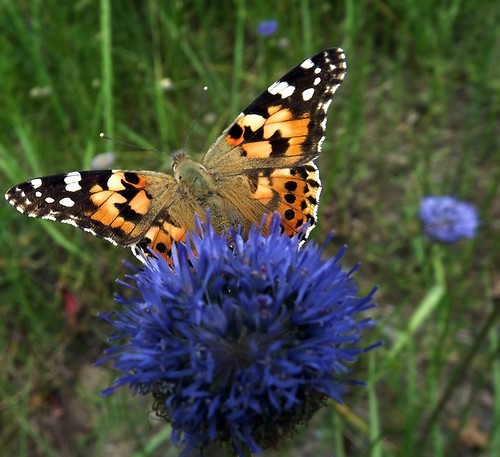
(418, 114)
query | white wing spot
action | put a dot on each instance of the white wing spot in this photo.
(273, 88)
(326, 105)
(317, 70)
(111, 240)
(36, 183)
(70, 222)
(73, 187)
(287, 92)
(282, 88)
(38, 194)
(317, 81)
(49, 200)
(66, 202)
(89, 230)
(321, 141)
(73, 176)
(72, 181)
(307, 94)
(308, 63)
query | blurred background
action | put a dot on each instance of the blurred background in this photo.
(417, 115)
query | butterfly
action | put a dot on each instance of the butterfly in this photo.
(261, 164)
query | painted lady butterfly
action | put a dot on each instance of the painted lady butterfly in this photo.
(262, 163)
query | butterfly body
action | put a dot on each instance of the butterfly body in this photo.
(261, 164)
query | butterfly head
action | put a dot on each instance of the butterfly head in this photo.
(192, 176)
(177, 157)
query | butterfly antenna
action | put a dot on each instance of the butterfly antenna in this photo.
(202, 103)
(130, 145)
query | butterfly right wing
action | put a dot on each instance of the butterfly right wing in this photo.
(266, 156)
(126, 208)
(285, 125)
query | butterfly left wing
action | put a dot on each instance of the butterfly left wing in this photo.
(119, 206)
(273, 144)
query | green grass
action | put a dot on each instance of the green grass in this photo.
(418, 114)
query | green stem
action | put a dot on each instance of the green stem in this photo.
(107, 67)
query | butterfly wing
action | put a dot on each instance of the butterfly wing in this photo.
(124, 207)
(273, 144)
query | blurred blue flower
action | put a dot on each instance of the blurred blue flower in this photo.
(103, 160)
(267, 28)
(240, 341)
(447, 219)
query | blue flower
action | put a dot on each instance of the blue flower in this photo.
(239, 341)
(267, 28)
(447, 219)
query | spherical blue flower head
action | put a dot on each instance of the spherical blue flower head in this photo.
(267, 28)
(239, 341)
(447, 219)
